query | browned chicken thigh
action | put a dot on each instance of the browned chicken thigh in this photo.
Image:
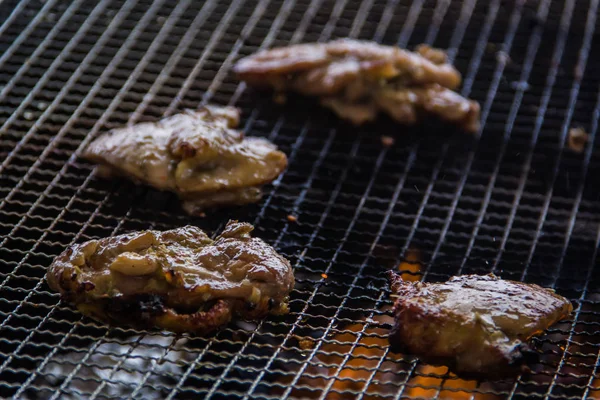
(358, 79)
(476, 325)
(180, 280)
(195, 154)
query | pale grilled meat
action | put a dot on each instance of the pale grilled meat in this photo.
(358, 79)
(179, 280)
(476, 325)
(195, 154)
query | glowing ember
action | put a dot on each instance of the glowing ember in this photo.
(369, 366)
(435, 382)
(595, 391)
(411, 266)
(365, 352)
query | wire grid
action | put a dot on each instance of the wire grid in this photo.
(515, 200)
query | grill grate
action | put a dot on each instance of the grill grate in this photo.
(514, 201)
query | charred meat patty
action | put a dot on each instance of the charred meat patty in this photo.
(179, 280)
(358, 79)
(476, 325)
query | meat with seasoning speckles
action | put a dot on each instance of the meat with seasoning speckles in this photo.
(179, 280)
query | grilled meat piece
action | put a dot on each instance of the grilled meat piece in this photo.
(476, 325)
(180, 280)
(195, 154)
(358, 79)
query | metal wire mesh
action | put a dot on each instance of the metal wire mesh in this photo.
(515, 200)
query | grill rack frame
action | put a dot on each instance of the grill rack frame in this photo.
(42, 177)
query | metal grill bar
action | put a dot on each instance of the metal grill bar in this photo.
(439, 11)
(41, 48)
(256, 222)
(107, 72)
(334, 259)
(10, 19)
(584, 172)
(72, 69)
(581, 63)
(583, 55)
(216, 36)
(59, 97)
(324, 36)
(334, 194)
(551, 80)
(493, 9)
(140, 385)
(135, 74)
(532, 49)
(571, 333)
(274, 28)
(326, 33)
(207, 7)
(27, 31)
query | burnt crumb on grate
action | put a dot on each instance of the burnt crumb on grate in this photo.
(387, 141)
(577, 139)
